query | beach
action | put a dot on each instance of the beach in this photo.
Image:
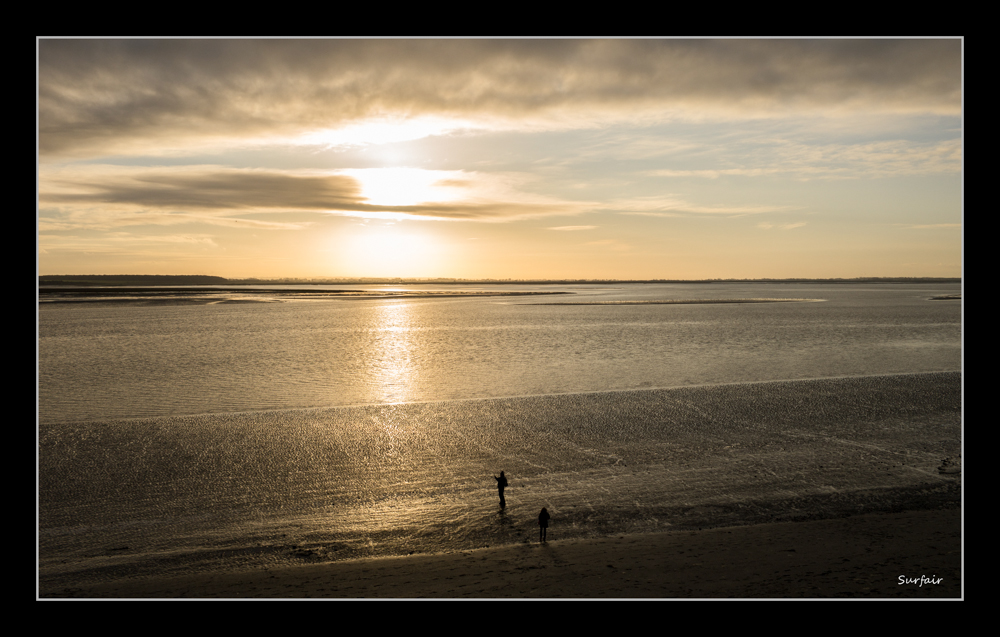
(819, 488)
(911, 554)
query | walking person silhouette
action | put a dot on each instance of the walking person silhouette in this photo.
(501, 485)
(543, 524)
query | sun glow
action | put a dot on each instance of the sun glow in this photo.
(380, 250)
(408, 186)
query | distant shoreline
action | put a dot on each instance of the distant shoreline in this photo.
(151, 280)
(201, 294)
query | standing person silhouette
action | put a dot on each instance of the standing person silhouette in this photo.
(543, 524)
(501, 485)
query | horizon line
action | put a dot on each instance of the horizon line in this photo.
(362, 279)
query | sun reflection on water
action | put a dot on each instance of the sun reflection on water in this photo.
(391, 367)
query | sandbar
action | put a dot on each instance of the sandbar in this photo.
(207, 296)
(683, 301)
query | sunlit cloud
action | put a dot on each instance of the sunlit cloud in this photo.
(610, 244)
(655, 214)
(780, 226)
(382, 131)
(132, 239)
(129, 194)
(671, 207)
(183, 218)
(119, 94)
(572, 228)
(203, 188)
(110, 220)
(839, 161)
(116, 241)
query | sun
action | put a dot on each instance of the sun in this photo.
(407, 186)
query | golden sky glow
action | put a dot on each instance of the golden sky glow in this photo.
(500, 158)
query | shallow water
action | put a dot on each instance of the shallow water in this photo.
(130, 487)
(100, 361)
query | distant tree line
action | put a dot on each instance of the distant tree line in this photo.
(132, 279)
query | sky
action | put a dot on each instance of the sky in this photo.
(500, 158)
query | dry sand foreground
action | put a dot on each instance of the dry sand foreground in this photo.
(858, 556)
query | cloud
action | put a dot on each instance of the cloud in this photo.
(572, 228)
(665, 206)
(654, 214)
(780, 226)
(784, 158)
(203, 188)
(74, 222)
(102, 96)
(117, 242)
(116, 195)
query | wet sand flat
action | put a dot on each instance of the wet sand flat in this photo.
(203, 296)
(854, 557)
(759, 471)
